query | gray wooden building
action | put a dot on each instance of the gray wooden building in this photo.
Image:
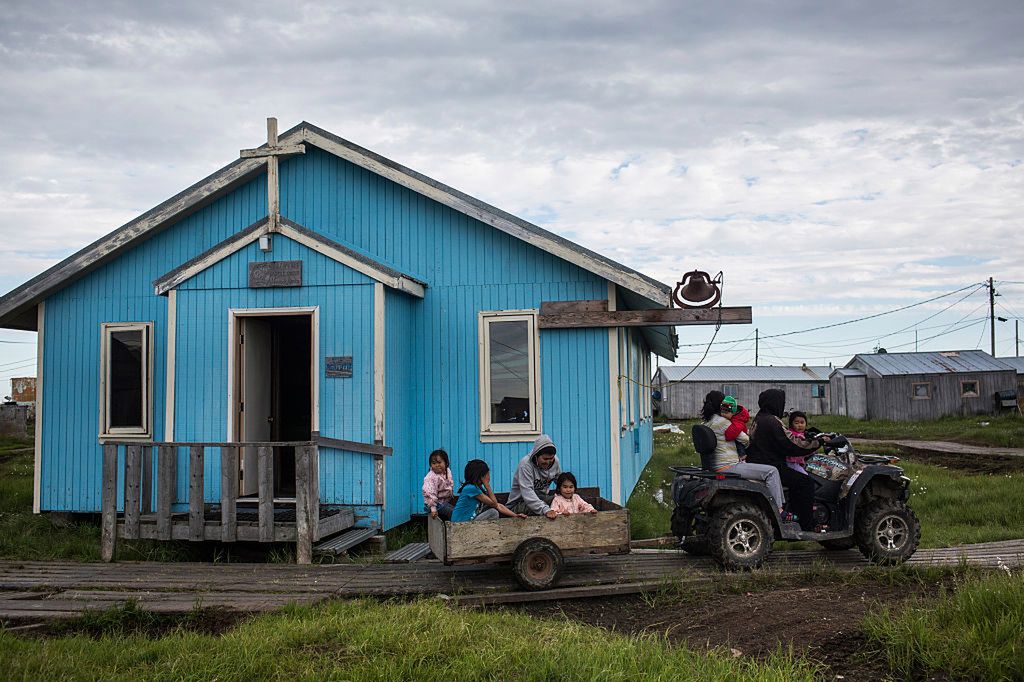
(919, 386)
(683, 389)
(1018, 365)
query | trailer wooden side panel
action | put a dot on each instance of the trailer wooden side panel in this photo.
(603, 532)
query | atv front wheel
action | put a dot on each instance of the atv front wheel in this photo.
(739, 536)
(887, 532)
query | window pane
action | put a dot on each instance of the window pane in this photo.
(125, 381)
(920, 390)
(510, 372)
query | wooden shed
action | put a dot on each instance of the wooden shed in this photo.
(683, 388)
(272, 353)
(1018, 364)
(848, 388)
(919, 386)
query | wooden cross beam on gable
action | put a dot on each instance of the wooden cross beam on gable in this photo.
(272, 152)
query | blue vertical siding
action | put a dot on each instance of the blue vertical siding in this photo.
(346, 329)
(120, 291)
(431, 376)
(636, 443)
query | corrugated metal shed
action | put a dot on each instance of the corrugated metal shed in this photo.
(1016, 363)
(945, 362)
(726, 374)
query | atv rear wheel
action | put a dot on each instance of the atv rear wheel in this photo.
(839, 544)
(887, 531)
(739, 536)
(697, 545)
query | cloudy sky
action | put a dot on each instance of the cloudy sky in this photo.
(835, 159)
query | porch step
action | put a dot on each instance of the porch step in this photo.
(346, 541)
(414, 551)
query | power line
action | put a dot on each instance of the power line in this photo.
(860, 319)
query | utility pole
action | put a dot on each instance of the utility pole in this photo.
(915, 340)
(992, 314)
(1016, 338)
(757, 342)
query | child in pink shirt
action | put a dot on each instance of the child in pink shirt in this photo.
(439, 487)
(566, 501)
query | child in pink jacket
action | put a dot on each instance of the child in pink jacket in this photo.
(438, 487)
(566, 501)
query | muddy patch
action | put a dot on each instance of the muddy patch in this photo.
(820, 622)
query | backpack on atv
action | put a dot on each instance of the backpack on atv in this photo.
(862, 499)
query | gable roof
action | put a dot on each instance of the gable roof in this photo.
(937, 362)
(16, 308)
(723, 373)
(313, 240)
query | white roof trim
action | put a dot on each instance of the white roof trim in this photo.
(300, 235)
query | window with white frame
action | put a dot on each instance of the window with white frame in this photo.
(509, 373)
(126, 372)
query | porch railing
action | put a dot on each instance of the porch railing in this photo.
(139, 484)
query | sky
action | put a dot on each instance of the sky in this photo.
(833, 160)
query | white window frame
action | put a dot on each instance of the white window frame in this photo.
(489, 431)
(145, 432)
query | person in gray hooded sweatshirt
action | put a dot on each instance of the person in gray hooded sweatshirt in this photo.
(533, 478)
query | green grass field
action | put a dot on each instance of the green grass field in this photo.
(369, 640)
(972, 632)
(1002, 431)
(954, 507)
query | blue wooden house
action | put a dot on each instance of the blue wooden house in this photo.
(272, 353)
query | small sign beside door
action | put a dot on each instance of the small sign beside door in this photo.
(278, 273)
(339, 366)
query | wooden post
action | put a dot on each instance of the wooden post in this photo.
(147, 479)
(265, 471)
(166, 489)
(196, 517)
(108, 536)
(228, 493)
(303, 539)
(132, 477)
(314, 491)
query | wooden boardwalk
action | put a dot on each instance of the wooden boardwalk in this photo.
(44, 590)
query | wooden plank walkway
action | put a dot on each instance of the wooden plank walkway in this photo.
(940, 446)
(43, 590)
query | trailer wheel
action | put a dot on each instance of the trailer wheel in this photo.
(537, 563)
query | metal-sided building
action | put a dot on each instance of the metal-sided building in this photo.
(683, 389)
(303, 327)
(920, 386)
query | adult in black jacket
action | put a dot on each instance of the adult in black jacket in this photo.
(770, 443)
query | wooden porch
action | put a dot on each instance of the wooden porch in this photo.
(150, 472)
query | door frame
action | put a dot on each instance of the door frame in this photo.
(233, 359)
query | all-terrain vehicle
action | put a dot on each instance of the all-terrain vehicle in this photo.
(861, 499)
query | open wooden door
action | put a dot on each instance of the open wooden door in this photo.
(255, 409)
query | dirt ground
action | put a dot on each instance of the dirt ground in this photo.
(977, 464)
(820, 622)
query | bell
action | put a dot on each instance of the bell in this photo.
(697, 290)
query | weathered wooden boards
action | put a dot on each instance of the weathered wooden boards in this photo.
(604, 532)
(35, 590)
(139, 521)
(580, 314)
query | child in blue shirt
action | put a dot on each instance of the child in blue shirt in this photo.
(476, 494)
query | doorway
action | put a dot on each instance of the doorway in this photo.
(274, 393)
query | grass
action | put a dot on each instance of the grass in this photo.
(954, 508)
(999, 431)
(368, 640)
(973, 632)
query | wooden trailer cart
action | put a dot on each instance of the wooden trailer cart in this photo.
(535, 545)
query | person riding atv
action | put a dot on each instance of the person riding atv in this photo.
(860, 498)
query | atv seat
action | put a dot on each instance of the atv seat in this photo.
(704, 441)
